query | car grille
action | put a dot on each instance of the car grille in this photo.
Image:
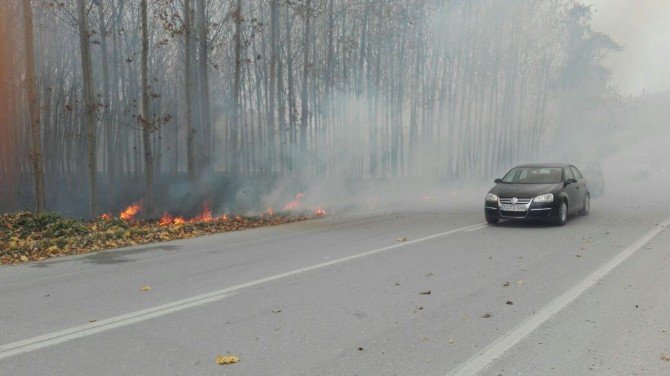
(520, 201)
(514, 214)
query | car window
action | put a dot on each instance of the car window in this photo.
(533, 175)
(576, 173)
(568, 174)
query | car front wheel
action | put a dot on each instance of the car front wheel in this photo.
(561, 214)
(587, 206)
(492, 220)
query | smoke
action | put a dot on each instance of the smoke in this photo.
(642, 28)
(418, 100)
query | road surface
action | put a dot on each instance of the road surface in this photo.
(348, 295)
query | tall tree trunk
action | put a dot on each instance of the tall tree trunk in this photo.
(188, 87)
(34, 105)
(272, 87)
(106, 119)
(89, 105)
(205, 106)
(235, 110)
(147, 119)
(304, 112)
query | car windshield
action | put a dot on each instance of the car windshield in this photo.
(533, 175)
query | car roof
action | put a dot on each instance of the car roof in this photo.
(540, 165)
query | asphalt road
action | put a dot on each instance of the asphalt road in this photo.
(347, 295)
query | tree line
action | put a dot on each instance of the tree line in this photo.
(116, 96)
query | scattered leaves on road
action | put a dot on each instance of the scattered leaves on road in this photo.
(227, 359)
(665, 357)
(451, 340)
(425, 292)
(429, 274)
(509, 302)
(401, 240)
(520, 282)
(276, 310)
(360, 349)
(506, 284)
(487, 315)
(145, 288)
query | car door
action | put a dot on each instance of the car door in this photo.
(581, 188)
(571, 190)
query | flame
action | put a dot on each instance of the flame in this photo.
(222, 218)
(205, 215)
(270, 212)
(319, 211)
(166, 220)
(295, 203)
(106, 217)
(179, 221)
(131, 211)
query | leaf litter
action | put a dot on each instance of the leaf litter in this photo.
(26, 237)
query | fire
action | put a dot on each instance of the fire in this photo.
(131, 211)
(166, 220)
(270, 212)
(319, 212)
(179, 221)
(106, 217)
(295, 203)
(222, 218)
(205, 215)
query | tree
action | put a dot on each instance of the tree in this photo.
(90, 105)
(146, 119)
(34, 105)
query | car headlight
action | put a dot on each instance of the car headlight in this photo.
(491, 197)
(547, 197)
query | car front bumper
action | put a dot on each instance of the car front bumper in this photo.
(534, 211)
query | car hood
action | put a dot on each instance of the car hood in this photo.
(525, 190)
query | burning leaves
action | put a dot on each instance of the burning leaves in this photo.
(131, 212)
(35, 237)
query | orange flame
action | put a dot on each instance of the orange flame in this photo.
(295, 203)
(270, 212)
(179, 221)
(205, 215)
(166, 220)
(222, 218)
(106, 217)
(131, 211)
(319, 212)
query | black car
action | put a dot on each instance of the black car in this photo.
(538, 191)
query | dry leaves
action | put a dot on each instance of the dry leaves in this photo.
(401, 240)
(506, 284)
(227, 359)
(28, 237)
(665, 357)
(145, 288)
(425, 292)
(487, 315)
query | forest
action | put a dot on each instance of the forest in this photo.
(107, 102)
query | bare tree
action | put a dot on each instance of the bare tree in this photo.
(34, 105)
(90, 105)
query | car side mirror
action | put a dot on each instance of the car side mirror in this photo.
(570, 181)
(498, 181)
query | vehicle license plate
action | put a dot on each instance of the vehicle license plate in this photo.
(516, 208)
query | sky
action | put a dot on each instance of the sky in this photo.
(642, 27)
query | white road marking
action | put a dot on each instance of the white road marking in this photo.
(50, 339)
(489, 354)
(477, 228)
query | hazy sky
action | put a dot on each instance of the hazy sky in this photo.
(642, 27)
